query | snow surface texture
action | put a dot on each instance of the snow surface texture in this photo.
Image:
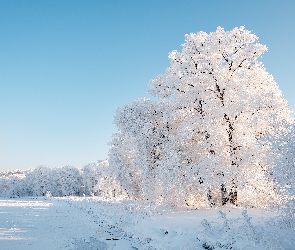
(76, 223)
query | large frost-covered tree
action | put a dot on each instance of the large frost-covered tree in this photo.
(206, 140)
(229, 102)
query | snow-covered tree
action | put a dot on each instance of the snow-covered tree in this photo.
(39, 181)
(150, 161)
(66, 181)
(12, 183)
(91, 175)
(138, 147)
(225, 102)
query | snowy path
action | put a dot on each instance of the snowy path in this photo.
(48, 224)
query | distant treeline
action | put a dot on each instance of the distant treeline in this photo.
(92, 180)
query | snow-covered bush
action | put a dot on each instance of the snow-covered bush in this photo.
(99, 180)
(122, 159)
(239, 234)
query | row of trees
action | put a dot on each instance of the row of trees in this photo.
(91, 180)
(221, 132)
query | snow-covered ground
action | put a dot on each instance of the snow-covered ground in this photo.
(41, 224)
(76, 223)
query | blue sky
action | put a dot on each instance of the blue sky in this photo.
(65, 66)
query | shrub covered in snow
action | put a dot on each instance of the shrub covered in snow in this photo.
(239, 233)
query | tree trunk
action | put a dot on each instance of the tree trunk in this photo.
(224, 195)
(232, 196)
(210, 198)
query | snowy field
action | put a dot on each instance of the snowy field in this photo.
(86, 224)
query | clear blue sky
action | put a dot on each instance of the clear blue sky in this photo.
(65, 66)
